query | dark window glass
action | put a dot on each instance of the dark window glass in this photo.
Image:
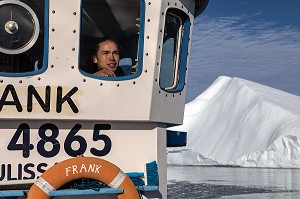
(21, 36)
(169, 71)
(116, 19)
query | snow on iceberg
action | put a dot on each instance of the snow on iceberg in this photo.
(240, 123)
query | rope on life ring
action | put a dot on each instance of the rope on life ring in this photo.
(82, 167)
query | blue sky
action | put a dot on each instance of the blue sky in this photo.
(257, 40)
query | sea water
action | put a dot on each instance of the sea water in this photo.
(193, 182)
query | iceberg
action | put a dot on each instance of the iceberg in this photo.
(236, 122)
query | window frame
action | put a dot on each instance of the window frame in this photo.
(140, 50)
(45, 48)
(181, 53)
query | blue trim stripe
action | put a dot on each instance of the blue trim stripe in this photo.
(70, 192)
(11, 193)
(77, 192)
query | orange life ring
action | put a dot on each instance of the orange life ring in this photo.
(82, 167)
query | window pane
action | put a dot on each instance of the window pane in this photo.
(167, 64)
(171, 52)
(116, 19)
(21, 36)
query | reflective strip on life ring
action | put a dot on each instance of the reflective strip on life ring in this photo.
(82, 167)
(44, 185)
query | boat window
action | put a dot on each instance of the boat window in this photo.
(110, 19)
(173, 57)
(21, 36)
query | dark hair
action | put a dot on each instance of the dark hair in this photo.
(104, 39)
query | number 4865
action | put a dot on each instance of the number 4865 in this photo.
(26, 146)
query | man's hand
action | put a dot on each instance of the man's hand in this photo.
(105, 73)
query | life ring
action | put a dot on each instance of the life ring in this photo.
(82, 167)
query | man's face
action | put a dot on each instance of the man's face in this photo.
(107, 56)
